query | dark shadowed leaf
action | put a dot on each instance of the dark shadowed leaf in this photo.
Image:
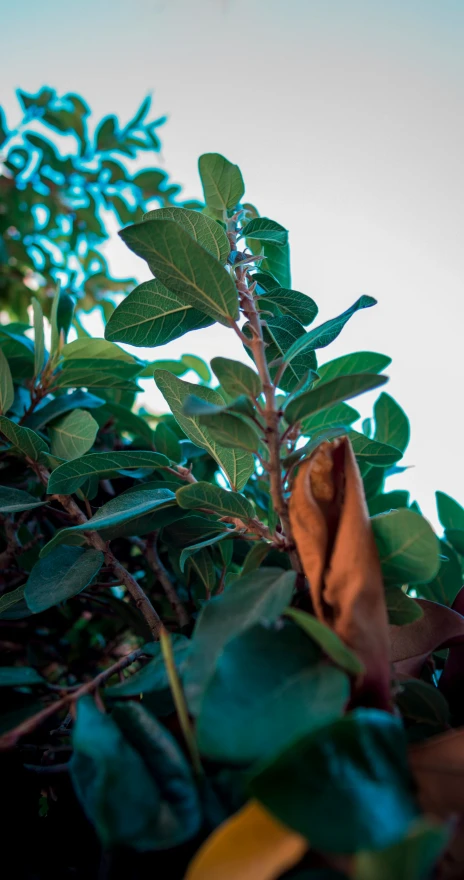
(23, 439)
(69, 477)
(212, 497)
(402, 609)
(61, 405)
(62, 574)
(328, 640)
(326, 394)
(15, 500)
(6, 385)
(413, 858)
(19, 676)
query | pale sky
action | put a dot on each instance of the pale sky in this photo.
(346, 118)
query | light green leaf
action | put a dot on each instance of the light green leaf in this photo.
(69, 477)
(23, 439)
(340, 414)
(153, 315)
(73, 435)
(187, 552)
(263, 229)
(96, 373)
(237, 465)
(222, 182)
(55, 333)
(372, 452)
(450, 513)
(209, 234)
(290, 302)
(328, 640)
(358, 362)
(207, 495)
(408, 547)
(401, 608)
(119, 511)
(326, 394)
(6, 385)
(185, 267)
(195, 363)
(39, 339)
(327, 332)
(231, 431)
(96, 348)
(15, 500)
(391, 423)
(64, 573)
(236, 378)
(277, 262)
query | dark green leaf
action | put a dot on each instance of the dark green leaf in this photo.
(222, 182)
(413, 858)
(72, 436)
(327, 332)
(328, 640)
(23, 439)
(236, 378)
(39, 340)
(391, 423)
(61, 405)
(400, 607)
(326, 394)
(408, 548)
(263, 229)
(152, 680)
(279, 335)
(358, 362)
(340, 414)
(290, 302)
(188, 552)
(69, 477)
(388, 501)
(19, 676)
(231, 431)
(371, 451)
(207, 495)
(6, 385)
(64, 314)
(15, 500)
(209, 234)
(277, 262)
(167, 443)
(450, 513)
(447, 583)
(11, 598)
(64, 573)
(456, 538)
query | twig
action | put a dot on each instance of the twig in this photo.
(162, 575)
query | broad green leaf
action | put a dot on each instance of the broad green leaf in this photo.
(327, 332)
(202, 563)
(268, 689)
(195, 363)
(388, 501)
(259, 597)
(402, 609)
(209, 234)
(64, 573)
(83, 349)
(326, 394)
(231, 431)
(237, 465)
(69, 477)
(73, 435)
(20, 676)
(19, 352)
(185, 267)
(188, 552)
(391, 423)
(456, 538)
(447, 583)
(277, 262)
(263, 229)
(125, 774)
(371, 451)
(119, 511)
(279, 335)
(255, 557)
(96, 373)
(11, 598)
(345, 786)
(340, 414)
(408, 547)
(23, 439)
(6, 385)
(153, 315)
(423, 705)
(61, 405)
(152, 680)
(178, 368)
(207, 495)
(16, 500)
(450, 513)
(290, 302)
(191, 530)
(413, 858)
(222, 182)
(236, 378)
(39, 339)
(167, 443)
(358, 362)
(265, 281)
(328, 640)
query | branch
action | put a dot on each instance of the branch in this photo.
(162, 575)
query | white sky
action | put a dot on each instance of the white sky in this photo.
(346, 120)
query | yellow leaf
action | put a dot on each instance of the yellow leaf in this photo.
(251, 845)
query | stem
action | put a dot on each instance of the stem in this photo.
(159, 570)
(8, 740)
(179, 701)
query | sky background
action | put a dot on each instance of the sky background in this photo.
(346, 120)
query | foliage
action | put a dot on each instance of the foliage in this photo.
(249, 657)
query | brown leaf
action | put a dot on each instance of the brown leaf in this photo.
(334, 538)
(438, 767)
(411, 645)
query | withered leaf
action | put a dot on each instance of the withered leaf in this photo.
(411, 645)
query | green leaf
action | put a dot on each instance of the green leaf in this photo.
(167, 443)
(188, 552)
(279, 335)
(446, 585)
(236, 378)
(408, 547)
(290, 302)
(231, 431)
(456, 538)
(11, 598)
(69, 477)
(258, 597)
(203, 565)
(195, 363)
(222, 182)
(126, 420)
(326, 394)
(340, 414)
(73, 435)
(268, 689)
(153, 315)
(277, 262)
(61, 405)
(327, 332)
(328, 640)
(23, 439)
(152, 680)
(391, 423)
(19, 676)
(402, 609)
(6, 385)
(15, 500)
(423, 705)
(388, 501)
(413, 858)
(39, 339)
(64, 314)
(371, 451)
(345, 786)
(64, 573)
(237, 465)
(209, 234)
(358, 362)
(185, 267)
(96, 373)
(263, 229)
(125, 797)
(120, 510)
(450, 513)
(55, 333)
(207, 495)
(101, 349)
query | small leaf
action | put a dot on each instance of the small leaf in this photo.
(327, 332)
(277, 262)
(290, 302)
(222, 182)
(371, 451)
(63, 574)
(23, 439)
(340, 414)
(20, 676)
(185, 267)
(279, 335)
(193, 549)
(207, 495)
(72, 436)
(236, 378)
(263, 229)
(450, 513)
(209, 234)
(39, 339)
(358, 362)
(402, 609)
(447, 583)
(231, 431)
(152, 680)
(391, 423)
(408, 548)
(456, 538)
(11, 598)
(153, 315)
(69, 477)
(15, 500)
(326, 394)
(328, 640)
(6, 385)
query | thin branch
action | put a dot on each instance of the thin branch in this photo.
(162, 576)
